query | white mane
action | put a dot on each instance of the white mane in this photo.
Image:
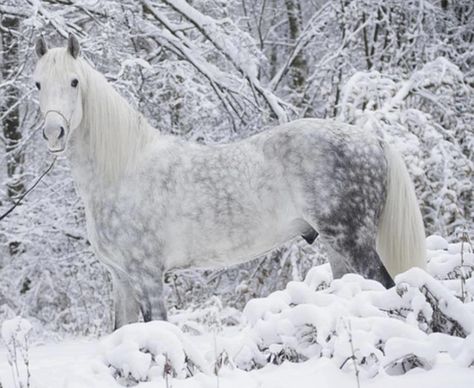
(116, 132)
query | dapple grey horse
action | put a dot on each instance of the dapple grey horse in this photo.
(155, 202)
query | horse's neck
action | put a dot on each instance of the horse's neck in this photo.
(111, 138)
(83, 166)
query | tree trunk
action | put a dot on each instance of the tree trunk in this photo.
(9, 110)
(298, 67)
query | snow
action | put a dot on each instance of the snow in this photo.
(317, 330)
(68, 365)
(16, 330)
(142, 350)
(465, 356)
(436, 243)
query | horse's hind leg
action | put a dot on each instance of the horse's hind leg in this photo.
(352, 250)
(344, 200)
(349, 227)
(350, 256)
(338, 263)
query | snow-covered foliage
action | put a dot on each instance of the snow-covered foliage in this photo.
(142, 351)
(391, 330)
(414, 115)
(355, 323)
(216, 71)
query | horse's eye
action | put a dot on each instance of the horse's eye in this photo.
(74, 82)
(38, 85)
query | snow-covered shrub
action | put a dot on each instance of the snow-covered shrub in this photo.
(388, 329)
(236, 285)
(452, 263)
(427, 118)
(449, 314)
(210, 315)
(402, 355)
(149, 351)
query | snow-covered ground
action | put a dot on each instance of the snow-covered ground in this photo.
(318, 332)
(69, 365)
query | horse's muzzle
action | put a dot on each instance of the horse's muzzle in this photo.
(55, 135)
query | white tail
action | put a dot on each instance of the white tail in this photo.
(401, 234)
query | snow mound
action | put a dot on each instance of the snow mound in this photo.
(142, 352)
(436, 243)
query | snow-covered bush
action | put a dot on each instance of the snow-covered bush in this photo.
(427, 118)
(148, 351)
(236, 285)
(390, 329)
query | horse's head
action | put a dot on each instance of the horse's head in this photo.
(58, 78)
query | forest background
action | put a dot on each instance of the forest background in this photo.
(216, 71)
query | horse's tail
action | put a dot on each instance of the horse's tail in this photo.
(401, 234)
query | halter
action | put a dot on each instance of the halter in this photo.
(68, 122)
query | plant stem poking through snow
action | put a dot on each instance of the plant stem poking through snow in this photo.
(465, 270)
(167, 371)
(15, 334)
(347, 325)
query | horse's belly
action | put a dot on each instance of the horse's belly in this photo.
(221, 248)
(238, 254)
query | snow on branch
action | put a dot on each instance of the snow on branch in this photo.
(215, 33)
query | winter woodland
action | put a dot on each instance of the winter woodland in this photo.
(215, 71)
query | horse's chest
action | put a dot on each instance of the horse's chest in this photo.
(123, 229)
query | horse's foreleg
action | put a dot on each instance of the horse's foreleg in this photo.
(153, 305)
(148, 285)
(126, 307)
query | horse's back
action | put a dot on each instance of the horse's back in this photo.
(318, 136)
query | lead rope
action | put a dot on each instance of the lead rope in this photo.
(18, 201)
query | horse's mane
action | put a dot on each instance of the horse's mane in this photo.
(116, 132)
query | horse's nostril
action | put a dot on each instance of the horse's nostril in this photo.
(61, 134)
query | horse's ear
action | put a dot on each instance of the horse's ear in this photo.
(41, 47)
(73, 47)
